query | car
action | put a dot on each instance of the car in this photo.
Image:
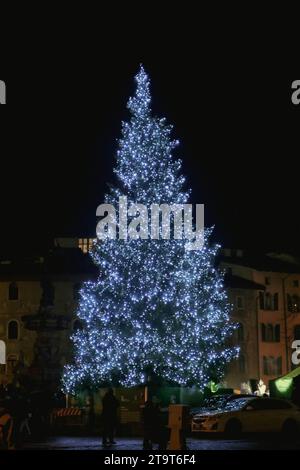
(250, 414)
(217, 402)
(212, 403)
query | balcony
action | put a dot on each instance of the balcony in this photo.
(48, 322)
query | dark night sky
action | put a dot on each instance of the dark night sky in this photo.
(229, 101)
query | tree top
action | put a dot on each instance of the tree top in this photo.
(139, 104)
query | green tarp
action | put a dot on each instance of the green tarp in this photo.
(282, 387)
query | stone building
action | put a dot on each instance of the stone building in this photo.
(38, 301)
(39, 296)
(265, 293)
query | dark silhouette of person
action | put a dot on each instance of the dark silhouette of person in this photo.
(150, 424)
(110, 416)
(161, 429)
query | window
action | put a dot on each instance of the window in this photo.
(272, 366)
(293, 303)
(267, 281)
(257, 404)
(240, 302)
(297, 332)
(13, 291)
(85, 244)
(13, 330)
(295, 283)
(266, 365)
(270, 333)
(268, 301)
(277, 333)
(277, 404)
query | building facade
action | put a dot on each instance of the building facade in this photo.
(39, 298)
(38, 303)
(268, 313)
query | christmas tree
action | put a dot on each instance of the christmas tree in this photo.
(156, 310)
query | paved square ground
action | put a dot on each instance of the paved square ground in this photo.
(94, 443)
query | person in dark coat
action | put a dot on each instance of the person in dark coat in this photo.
(109, 414)
(162, 429)
(150, 424)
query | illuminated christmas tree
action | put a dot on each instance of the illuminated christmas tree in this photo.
(157, 310)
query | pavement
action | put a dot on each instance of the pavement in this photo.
(271, 442)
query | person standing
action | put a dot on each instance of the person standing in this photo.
(6, 429)
(109, 415)
(149, 422)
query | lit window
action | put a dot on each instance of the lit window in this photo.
(85, 244)
(293, 302)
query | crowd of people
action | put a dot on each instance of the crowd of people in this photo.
(25, 415)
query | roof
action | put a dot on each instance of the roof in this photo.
(236, 282)
(56, 263)
(268, 262)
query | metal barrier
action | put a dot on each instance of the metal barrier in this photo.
(68, 417)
